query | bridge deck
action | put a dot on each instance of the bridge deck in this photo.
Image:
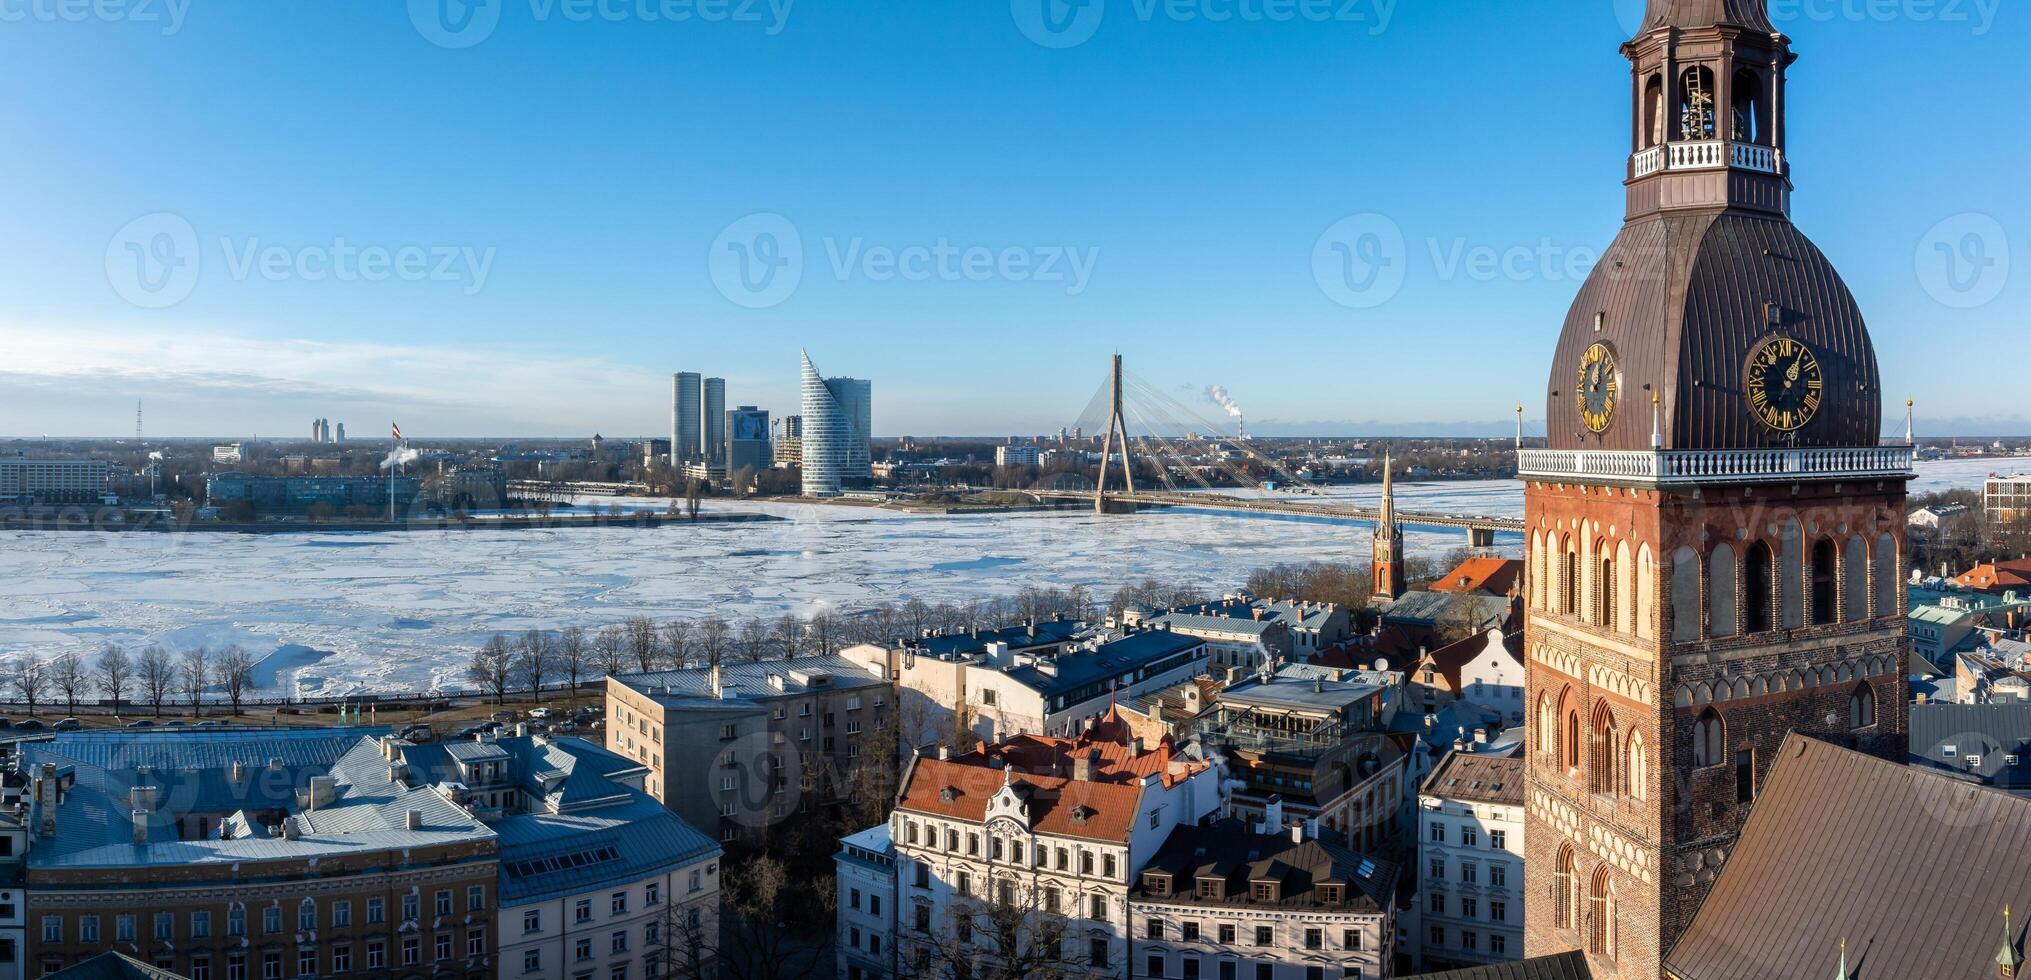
(1296, 507)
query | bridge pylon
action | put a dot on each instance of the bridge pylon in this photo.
(1116, 422)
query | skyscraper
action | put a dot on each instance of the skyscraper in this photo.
(684, 406)
(747, 440)
(712, 415)
(837, 416)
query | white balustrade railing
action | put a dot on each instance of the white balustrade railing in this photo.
(1648, 161)
(1706, 155)
(1715, 465)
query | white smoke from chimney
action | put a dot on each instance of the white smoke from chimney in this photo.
(1218, 396)
(400, 456)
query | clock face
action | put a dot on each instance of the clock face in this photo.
(1784, 385)
(1600, 387)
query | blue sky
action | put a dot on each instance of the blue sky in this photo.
(186, 186)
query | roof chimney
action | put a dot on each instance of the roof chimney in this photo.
(1082, 766)
(275, 764)
(944, 752)
(1298, 832)
(239, 772)
(46, 798)
(413, 820)
(141, 826)
(323, 790)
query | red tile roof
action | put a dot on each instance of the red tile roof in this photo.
(1102, 806)
(1997, 576)
(1495, 576)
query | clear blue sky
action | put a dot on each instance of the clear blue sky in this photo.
(566, 179)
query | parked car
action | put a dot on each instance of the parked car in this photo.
(69, 725)
(208, 724)
(29, 725)
(172, 724)
(6, 723)
(540, 713)
(143, 723)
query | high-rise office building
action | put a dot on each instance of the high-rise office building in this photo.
(685, 395)
(747, 440)
(712, 415)
(837, 417)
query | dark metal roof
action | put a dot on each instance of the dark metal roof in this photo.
(1976, 741)
(1563, 966)
(1682, 299)
(1477, 778)
(1829, 853)
(1694, 14)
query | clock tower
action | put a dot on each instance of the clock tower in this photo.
(1715, 532)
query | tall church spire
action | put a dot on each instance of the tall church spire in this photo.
(2008, 960)
(1386, 558)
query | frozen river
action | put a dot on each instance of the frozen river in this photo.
(337, 613)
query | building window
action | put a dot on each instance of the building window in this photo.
(1096, 956)
(341, 959)
(88, 929)
(306, 963)
(1350, 939)
(1189, 931)
(52, 929)
(1153, 929)
(200, 969)
(1498, 874)
(476, 898)
(412, 951)
(1438, 869)
(582, 950)
(341, 914)
(236, 966)
(652, 893)
(377, 955)
(1709, 735)
(1437, 903)
(1862, 707)
(532, 961)
(165, 926)
(1601, 912)
(442, 946)
(306, 915)
(271, 966)
(1498, 839)
(443, 902)
(1315, 939)
(476, 941)
(618, 903)
(1264, 935)
(581, 912)
(377, 911)
(1498, 943)
(1498, 910)
(1565, 890)
(412, 908)
(1468, 838)
(1226, 933)
(1745, 776)
(201, 925)
(1438, 832)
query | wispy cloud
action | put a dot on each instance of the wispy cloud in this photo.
(455, 389)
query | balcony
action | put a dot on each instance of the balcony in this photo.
(1706, 155)
(1700, 466)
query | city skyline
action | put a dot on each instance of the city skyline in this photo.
(1011, 260)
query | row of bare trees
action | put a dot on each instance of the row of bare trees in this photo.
(157, 676)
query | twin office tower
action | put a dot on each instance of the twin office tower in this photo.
(836, 421)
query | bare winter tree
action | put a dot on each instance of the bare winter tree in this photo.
(789, 635)
(752, 640)
(158, 675)
(532, 660)
(492, 664)
(917, 616)
(572, 656)
(822, 633)
(642, 644)
(1008, 933)
(114, 672)
(196, 673)
(28, 674)
(70, 675)
(236, 674)
(755, 941)
(712, 636)
(609, 650)
(677, 643)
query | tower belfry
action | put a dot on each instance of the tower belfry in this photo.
(1714, 531)
(1116, 423)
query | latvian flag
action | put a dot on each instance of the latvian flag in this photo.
(397, 426)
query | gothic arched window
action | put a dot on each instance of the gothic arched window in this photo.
(1646, 594)
(1855, 580)
(1823, 582)
(1569, 580)
(1569, 731)
(1565, 889)
(1887, 589)
(1547, 725)
(1721, 620)
(1710, 736)
(1758, 589)
(1696, 105)
(1636, 768)
(1609, 597)
(1601, 769)
(1601, 915)
(1862, 706)
(1685, 595)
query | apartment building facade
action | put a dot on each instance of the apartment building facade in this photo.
(1470, 846)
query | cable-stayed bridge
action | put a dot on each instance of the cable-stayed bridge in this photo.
(1177, 445)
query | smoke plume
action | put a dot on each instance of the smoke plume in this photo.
(400, 456)
(1218, 396)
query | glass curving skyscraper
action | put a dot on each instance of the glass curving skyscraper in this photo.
(838, 414)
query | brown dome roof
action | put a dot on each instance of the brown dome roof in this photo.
(1692, 14)
(1683, 302)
